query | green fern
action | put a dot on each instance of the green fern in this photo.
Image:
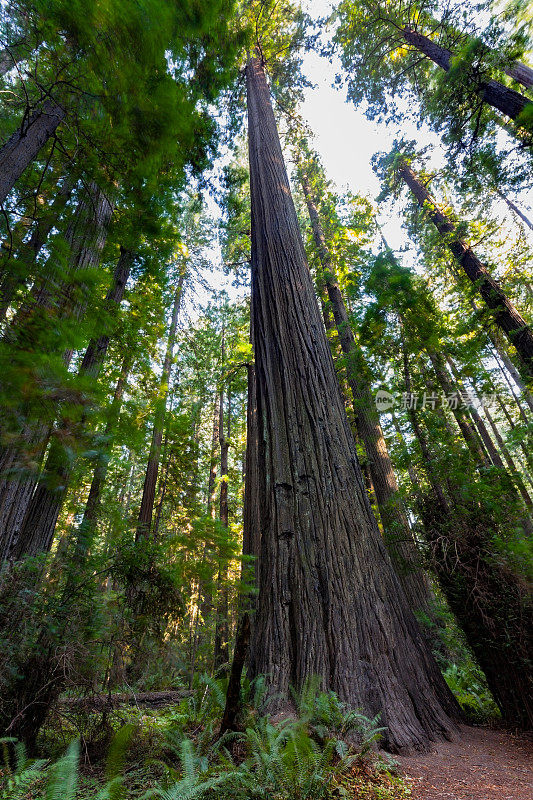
(63, 775)
(26, 774)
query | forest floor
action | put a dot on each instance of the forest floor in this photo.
(484, 764)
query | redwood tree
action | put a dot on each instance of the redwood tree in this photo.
(329, 601)
(506, 316)
(399, 538)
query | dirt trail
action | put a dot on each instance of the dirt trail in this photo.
(483, 764)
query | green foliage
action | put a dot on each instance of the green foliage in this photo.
(325, 715)
(25, 774)
(297, 758)
(468, 684)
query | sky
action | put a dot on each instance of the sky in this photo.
(346, 141)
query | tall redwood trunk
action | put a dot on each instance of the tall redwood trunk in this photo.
(146, 511)
(23, 146)
(521, 73)
(398, 535)
(329, 601)
(37, 531)
(505, 314)
(496, 94)
(20, 462)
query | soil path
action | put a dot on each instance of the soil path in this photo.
(483, 764)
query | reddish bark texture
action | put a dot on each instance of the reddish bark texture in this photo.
(329, 602)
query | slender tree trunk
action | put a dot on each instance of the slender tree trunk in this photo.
(505, 314)
(251, 529)
(37, 531)
(205, 598)
(496, 94)
(11, 53)
(500, 353)
(469, 434)
(23, 146)
(92, 508)
(329, 601)
(221, 653)
(427, 457)
(494, 455)
(512, 425)
(489, 601)
(398, 535)
(411, 471)
(515, 375)
(213, 468)
(514, 208)
(146, 511)
(509, 460)
(251, 522)
(233, 696)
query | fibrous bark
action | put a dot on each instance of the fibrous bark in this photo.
(24, 144)
(398, 534)
(496, 94)
(329, 601)
(20, 464)
(40, 520)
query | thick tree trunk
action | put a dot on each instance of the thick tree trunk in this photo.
(521, 73)
(496, 94)
(398, 536)
(39, 524)
(146, 511)
(23, 146)
(20, 463)
(505, 314)
(329, 601)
